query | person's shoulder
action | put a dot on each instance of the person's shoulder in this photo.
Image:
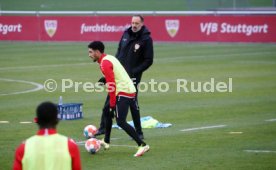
(71, 141)
(146, 34)
(146, 30)
(127, 33)
(72, 144)
(21, 147)
(22, 143)
(128, 30)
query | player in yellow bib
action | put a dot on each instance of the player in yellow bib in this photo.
(122, 94)
(47, 150)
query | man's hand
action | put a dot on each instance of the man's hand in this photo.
(102, 81)
(112, 112)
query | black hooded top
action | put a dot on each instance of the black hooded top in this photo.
(135, 52)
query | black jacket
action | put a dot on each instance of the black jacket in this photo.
(135, 52)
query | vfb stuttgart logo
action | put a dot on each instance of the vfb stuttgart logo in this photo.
(172, 27)
(50, 27)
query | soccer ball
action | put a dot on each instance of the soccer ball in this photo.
(92, 145)
(89, 131)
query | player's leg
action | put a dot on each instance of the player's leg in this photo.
(121, 114)
(105, 110)
(101, 129)
(108, 126)
(143, 147)
(135, 110)
(135, 113)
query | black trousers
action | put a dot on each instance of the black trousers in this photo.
(122, 106)
(134, 109)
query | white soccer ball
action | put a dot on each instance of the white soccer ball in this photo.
(92, 145)
(89, 131)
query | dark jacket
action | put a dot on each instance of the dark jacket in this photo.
(135, 52)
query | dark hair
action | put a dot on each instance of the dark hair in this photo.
(97, 45)
(140, 16)
(46, 114)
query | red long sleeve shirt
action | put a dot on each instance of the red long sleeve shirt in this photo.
(107, 70)
(72, 146)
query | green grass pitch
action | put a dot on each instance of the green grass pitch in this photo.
(252, 68)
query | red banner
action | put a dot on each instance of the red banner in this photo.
(226, 28)
(19, 28)
(83, 28)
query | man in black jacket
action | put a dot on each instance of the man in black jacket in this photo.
(135, 52)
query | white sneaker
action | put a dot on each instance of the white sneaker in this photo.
(141, 150)
(104, 144)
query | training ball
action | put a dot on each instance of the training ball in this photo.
(89, 131)
(92, 145)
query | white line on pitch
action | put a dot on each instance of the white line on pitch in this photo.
(83, 142)
(260, 151)
(162, 59)
(204, 56)
(201, 128)
(42, 66)
(37, 86)
(129, 146)
(235, 132)
(80, 142)
(271, 120)
(4, 121)
(25, 122)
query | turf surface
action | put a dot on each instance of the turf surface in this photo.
(252, 68)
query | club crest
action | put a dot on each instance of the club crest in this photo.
(136, 47)
(50, 27)
(172, 27)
